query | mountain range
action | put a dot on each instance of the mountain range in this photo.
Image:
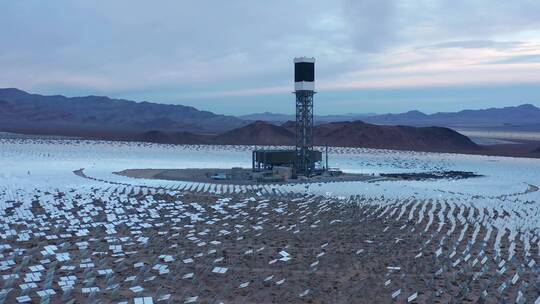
(525, 114)
(21, 111)
(522, 115)
(341, 134)
(98, 117)
(277, 118)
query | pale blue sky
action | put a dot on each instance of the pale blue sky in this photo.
(235, 57)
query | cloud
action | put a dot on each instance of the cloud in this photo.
(520, 59)
(462, 20)
(372, 25)
(477, 44)
(180, 49)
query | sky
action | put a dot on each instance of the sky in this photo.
(236, 57)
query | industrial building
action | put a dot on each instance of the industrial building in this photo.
(268, 159)
(302, 160)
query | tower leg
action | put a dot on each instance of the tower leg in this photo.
(304, 132)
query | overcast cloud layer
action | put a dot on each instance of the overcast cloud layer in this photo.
(236, 56)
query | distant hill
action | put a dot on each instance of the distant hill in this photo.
(21, 111)
(523, 115)
(257, 133)
(509, 116)
(99, 117)
(318, 119)
(268, 116)
(360, 134)
(345, 134)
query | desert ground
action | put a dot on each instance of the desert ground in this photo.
(73, 231)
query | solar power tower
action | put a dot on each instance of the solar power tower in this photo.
(304, 86)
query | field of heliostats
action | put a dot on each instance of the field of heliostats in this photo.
(92, 236)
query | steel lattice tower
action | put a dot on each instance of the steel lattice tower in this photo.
(304, 79)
